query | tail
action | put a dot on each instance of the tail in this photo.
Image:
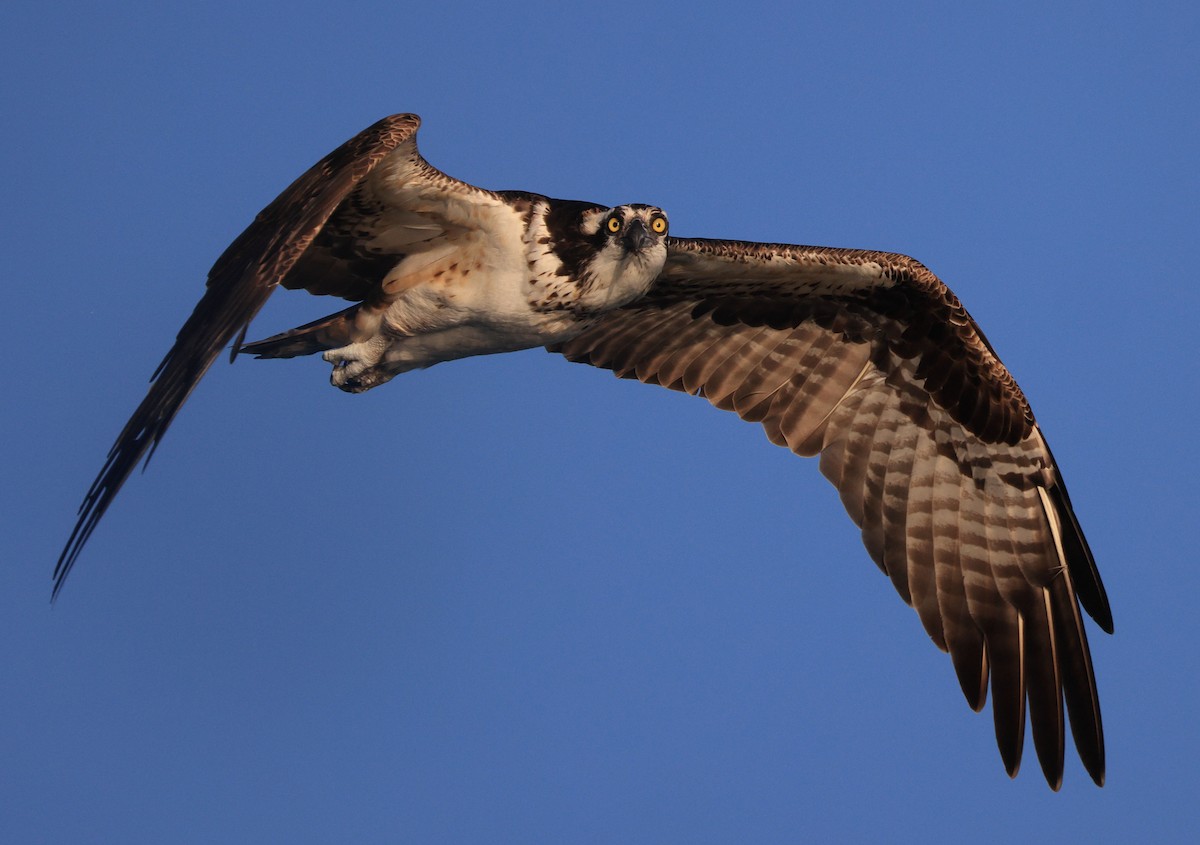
(340, 329)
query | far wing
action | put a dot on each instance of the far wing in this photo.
(238, 284)
(869, 360)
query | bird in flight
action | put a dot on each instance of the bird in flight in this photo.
(864, 358)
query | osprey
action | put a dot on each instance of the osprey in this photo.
(865, 358)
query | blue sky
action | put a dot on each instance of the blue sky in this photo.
(518, 600)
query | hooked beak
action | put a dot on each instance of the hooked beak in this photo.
(636, 238)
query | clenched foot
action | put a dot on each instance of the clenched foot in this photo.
(355, 366)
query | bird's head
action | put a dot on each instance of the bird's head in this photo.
(628, 248)
(633, 232)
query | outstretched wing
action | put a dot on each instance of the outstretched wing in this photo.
(332, 231)
(869, 360)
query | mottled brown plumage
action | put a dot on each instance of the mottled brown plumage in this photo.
(239, 283)
(864, 358)
(928, 439)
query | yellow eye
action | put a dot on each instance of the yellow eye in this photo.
(658, 225)
(614, 224)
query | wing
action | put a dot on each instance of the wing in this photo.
(335, 230)
(869, 360)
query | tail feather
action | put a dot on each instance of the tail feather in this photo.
(330, 332)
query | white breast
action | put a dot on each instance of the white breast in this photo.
(469, 295)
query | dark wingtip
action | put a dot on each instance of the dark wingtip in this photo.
(122, 458)
(66, 559)
(1082, 565)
